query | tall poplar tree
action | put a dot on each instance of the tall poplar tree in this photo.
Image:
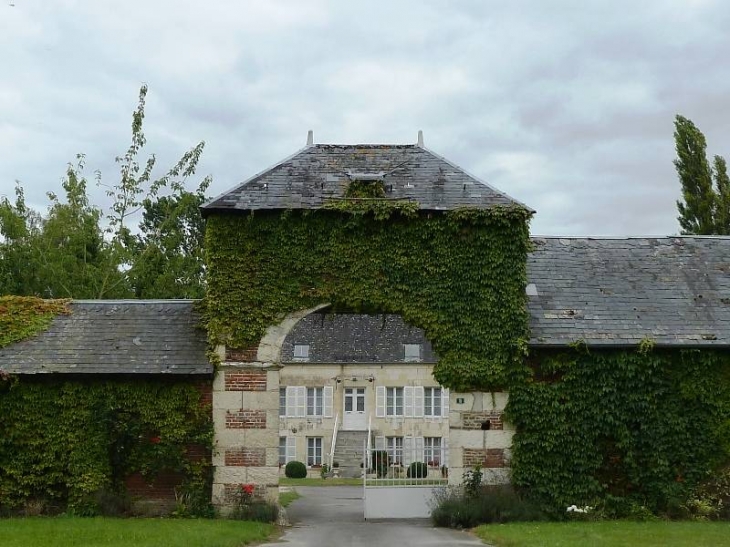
(705, 205)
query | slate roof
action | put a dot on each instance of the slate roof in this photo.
(355, 338)
(321, 172)
(115, 337)
(614, 292)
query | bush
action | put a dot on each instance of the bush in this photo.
(260, 511)
(493, 504)
(295, 470)
(417, 470)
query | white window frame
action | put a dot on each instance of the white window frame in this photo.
(287, 449)
(301, 352)
(394, 395)
(433, 451)
(394, 447)
(432, 398)
(282, 402)
(314, 451)
(412, 353)
(315, 402)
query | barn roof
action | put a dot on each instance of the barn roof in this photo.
(115, 337)
(674, 291)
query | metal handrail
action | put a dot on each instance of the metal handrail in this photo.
(334, 441)
(368, 449)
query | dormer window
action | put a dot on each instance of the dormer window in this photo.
(412, 352)
(301, 352)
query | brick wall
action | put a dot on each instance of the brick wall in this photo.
(206, 392)
(474, 420)
(246, 419)
(245, 457)
(485, 457)
(246, 355)
(160, 488)
(245, 380)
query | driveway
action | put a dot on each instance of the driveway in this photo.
(332, 516)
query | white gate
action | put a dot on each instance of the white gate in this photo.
(398, 482)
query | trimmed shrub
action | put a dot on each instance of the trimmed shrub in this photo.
(295, 470)
(417, 470)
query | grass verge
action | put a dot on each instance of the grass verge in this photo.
(109, 532)
(606, 534)
(285, 498)
(285, 481)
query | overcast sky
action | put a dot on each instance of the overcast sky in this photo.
(566, 106)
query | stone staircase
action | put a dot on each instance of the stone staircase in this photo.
(349, 451)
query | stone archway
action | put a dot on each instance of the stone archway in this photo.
(246, 416)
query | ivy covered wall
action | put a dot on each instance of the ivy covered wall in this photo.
(459, 275)
(71, 443)
(627, 430)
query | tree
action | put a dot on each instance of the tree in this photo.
(704, 208)
(77, 250)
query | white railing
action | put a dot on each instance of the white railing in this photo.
(366, 453)
(391, 465)
(334, 441)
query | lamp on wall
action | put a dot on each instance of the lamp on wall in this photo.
(371, 378)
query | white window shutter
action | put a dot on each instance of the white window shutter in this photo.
(408, 401)
(419, 450)
(418, 402)
(328, 397)
(379, 443)
(291, 392)
(380, 402)
(291, 449)
(445, 403)
(301, 404)
(408, 448)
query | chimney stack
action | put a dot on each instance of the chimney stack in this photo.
(420, 138)
(310, 137)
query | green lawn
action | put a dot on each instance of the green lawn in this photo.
(108, 532)
(284, 481)
(606, 534)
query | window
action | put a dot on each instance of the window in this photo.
(301, 352)
(432, 401)
(394, 401)
(282, 401)
(302, 401)
(394, 446)
(287, 450)
(411, 352)
(314, 451)
(432, 451)
(282, 451)
(315, 401)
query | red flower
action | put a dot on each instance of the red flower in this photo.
(248, 488)
(155, 439)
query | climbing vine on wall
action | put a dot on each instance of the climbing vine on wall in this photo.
(620, 429)
(22, 317)
(63, 442)
(459, 275)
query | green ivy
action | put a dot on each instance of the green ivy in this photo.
(66, 441)
(620, 429)
(459, 275)
(22, 317)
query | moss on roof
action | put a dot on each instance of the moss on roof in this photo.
(23, 317)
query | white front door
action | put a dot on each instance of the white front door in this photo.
(354, 416)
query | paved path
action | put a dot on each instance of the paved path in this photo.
(332, 516)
